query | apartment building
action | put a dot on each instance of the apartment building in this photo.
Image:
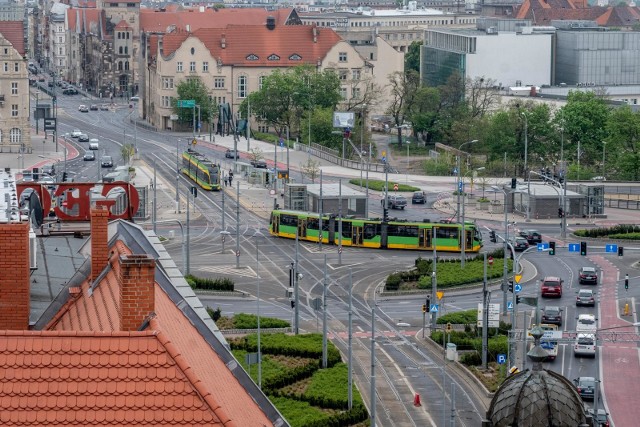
(15, 134)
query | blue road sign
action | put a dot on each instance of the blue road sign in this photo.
(611, 248)
(434, 308)
(542, 246)
(455, 170)
(574, 247)
(384, 159)
(517, 288)
(509, 305)
(502, 359)
(460, 186)
(281, 142)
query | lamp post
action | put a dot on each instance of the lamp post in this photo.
(461, 190)
(604, 145)
(505, 247)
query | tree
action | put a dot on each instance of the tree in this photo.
(412, 57)
(310, 169)
(255, 154)
(481, 96)
(403, 89)
(127, 152)
(623, 145)
(193, 88)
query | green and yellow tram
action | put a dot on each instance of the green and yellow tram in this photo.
(203, 171)
(371, 233)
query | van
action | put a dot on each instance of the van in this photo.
(585, 345)
(94, 144)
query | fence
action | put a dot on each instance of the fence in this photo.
(332, 156)
(622, 200)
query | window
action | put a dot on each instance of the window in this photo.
(342, 57)
(167, 83)
(6, 67)
(60, 51)
(179, 67)
(205, 67)
(343, 92)
(355, 93)
(252, 57)
(126, 65)
(126, 50)
(355, 74)
(447, 233)
(261, 81)
(295, 57)
(192, 66)
(128, 34)
(14, 110)
(242, 86)
(273, 57)
(119, 35)
(120, 50)
(218, 83)
(166, 101)
(14, 88)
(222, 100)
(343, 75)
(59, 39)
(16, 67)
(119, 65)
(15, 136)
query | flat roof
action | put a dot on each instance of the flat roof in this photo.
(332, 190)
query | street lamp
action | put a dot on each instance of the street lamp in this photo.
(505, 247)
(604, 145)
(461, 190)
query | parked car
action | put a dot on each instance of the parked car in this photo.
(94, 107)
(552, 314)
(586, 323)
(83, 137)
(262, 164)
(586, 387)
(551, 287)
(418, 198)
(104, 107)
(70, 91)
(50, 83)
(106, 162)
(395, 201)
(76, 133)
(520, 244)
(585, 298)
(89, 156)
(41, 79)
(135, 98)
(231, 154)
(83, 108)
(587, 275)
(585, 345)
(601, 419)
(533, 236)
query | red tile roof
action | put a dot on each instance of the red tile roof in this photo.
(241, 41)
(13, 31)
(542, 12)
(152, 20)
(122, 25)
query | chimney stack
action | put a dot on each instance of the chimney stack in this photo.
(137, 290)
(99, 241)
(314, 30)
(14, 279)
(223, 43)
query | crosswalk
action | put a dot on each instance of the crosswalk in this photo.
(229, 270)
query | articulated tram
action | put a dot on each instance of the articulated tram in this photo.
(203, 171)
(374, 233)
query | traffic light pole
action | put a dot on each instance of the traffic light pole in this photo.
(485, 317)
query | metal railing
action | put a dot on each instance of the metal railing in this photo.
(332, 156)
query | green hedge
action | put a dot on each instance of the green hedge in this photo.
(622, 231)
(250, 321)
(302, 414)
(498, 344)
(271, 138)
(217, 284)
(378, 185)
(329, 388)
(467, 317)
(308, 346)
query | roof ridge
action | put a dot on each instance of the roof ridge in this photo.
(65, 333)
(187, 370)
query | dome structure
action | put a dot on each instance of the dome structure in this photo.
(536, 398)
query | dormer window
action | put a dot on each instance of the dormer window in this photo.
(273, 57)
(252, 57)
(295, 57)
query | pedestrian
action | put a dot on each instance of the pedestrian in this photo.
(230, 176)
(226, 180)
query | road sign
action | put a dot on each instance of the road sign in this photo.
(50, 123)
(518, 277)
(494, 315)
(574, 247)
(517, 288)
(237, 253)
(384, 159)
(384, 154)
(611, 248)
(455, 170)
(439, 294)
(316, 304)
(186, 103)
(194, 142)
(434, 308)
(281, 142)
(490, 260)
(502, 359)
(395, 187)
(509, 305)
(542, 246)
(460, 186)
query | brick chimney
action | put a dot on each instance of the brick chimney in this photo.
(99, 241)
(137, 290)
(14, 279)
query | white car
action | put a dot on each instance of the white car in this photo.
(76, 133)
(135, 98)
(586, 324)
(585, 345)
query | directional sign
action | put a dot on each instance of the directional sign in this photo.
(517, 288)
(186, 103)
(439, 294)
(518, 277)
(542, 246)
(50, 123)
(502, 359)
(455, 170)
(460, 186)
(509, 305)
(494, 315)
(434, 308)
(611, 248)
(574, 247)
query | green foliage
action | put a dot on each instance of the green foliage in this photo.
(467, 317)
(307, 346)
(449, 273)
(276, 374)
(468, 341)
(622, 231)
(250, 321)
(412, 57)
(393, 282)
(378, 185)
(266, 137)
(299, 413)
(329, 387)
(215, 314)
(194, 88)
(127, 151)
(217, 284)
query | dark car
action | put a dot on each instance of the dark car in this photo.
(520, 244)
(83, 138)
(395, 201)
(586, 387)
(552, 315)
(70, 91)
(532, 236)
(551, 287)
(587, 276)
(94, 107)
(50, 84)
(89, 156)
(262, 164)
(231, 154)
(418, 198)
(41, 79)
(601, 419)
(106, 162)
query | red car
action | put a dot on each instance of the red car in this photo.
(551, 287)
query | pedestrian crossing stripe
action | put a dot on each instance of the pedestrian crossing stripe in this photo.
(244, 272)
(434, 308)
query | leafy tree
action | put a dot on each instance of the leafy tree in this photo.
(194, 88)
(310, 169)
(424, 114)
(256, 154)
(403, 89)
(321, 129)
(623, 145)
(127, 152)
(412, 57)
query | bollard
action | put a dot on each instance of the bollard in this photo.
(416, 400)
(626, 309)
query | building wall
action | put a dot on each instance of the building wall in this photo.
(58, 45)
(14, 100)
(388, 61)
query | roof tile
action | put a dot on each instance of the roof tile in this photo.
(13, 31)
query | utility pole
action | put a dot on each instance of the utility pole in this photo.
(296, 295)
(222, 216)
(320, 216)
(349, 360)
(238, 224)
(372, 404)
(324, 316)
(434, 286)
(188, 236)
(340, 221)
(177, 176)
(485, 316)
(155, 200)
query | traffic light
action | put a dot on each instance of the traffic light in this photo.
(560, 212)
(293, 304)
(517, 299)
(424, 308)
(385, 214)
(511, 286)
(513, 183)
(552, 248)
(583, 248)
(620, 251)
(492, 236)
(64, 177)
(626, 281)
(428, 304)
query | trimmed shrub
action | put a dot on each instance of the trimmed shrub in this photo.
(378, 185)
(622, 231)
(308, 346)
(393, 282)
(217, 284)
(250, 321)
(215, 314)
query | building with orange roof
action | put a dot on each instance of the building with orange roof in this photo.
(125, 341)
(542, 12)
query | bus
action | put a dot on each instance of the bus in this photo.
(374, 233)
(201, 170)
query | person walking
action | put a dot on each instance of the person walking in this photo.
(226, 180)
(230, 176)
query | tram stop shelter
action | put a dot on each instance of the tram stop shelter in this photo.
(545, 200)
(354, 202)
